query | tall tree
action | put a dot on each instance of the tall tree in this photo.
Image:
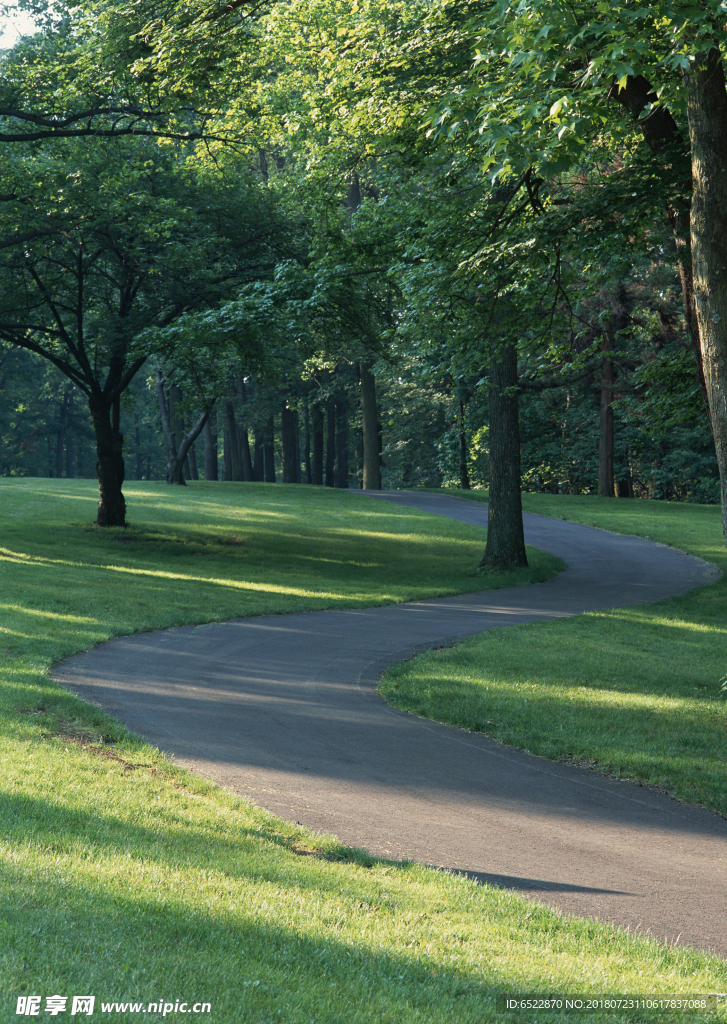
(120, 238)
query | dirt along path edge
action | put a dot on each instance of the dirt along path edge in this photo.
(284, 710)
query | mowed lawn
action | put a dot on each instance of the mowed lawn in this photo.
(632, 692)
(126, 878)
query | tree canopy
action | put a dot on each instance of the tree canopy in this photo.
(348, 219)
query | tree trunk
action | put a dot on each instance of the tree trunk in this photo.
(192, 458)
(296, 427)
(707, 114)
(331, 446)
(306, 444)
(317, 417)
(270, 451)
(341, 445)
(177, 447)
(243, 438)
(226, 458)
(211, 470)
(110, 464)
(505, 546)
(370, 430)
(464, 476)
(287, 436)
(231, 431)
(605, 442)
(259, 464)
(243, 441)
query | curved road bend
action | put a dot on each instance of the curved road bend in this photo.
(283, 709)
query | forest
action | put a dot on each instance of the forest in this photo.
(401, 244)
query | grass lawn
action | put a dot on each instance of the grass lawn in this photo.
(632, 693)
(126, 878)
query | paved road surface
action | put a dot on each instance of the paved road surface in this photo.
(283, 709)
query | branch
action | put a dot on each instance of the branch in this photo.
(66, 369)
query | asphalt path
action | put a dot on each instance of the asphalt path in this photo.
(283, 709)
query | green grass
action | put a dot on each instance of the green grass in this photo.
(632, 693)
(132, 880)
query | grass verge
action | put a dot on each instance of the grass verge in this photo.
(126, 878)
(633, 693)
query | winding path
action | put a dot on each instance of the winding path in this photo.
(284, 710)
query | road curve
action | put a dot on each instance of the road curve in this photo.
(283, 709)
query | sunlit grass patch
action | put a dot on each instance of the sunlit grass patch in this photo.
(633, 692)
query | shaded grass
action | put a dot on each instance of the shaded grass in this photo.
(128, 878)
(632, 692)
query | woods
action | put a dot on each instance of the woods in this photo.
(398, 245)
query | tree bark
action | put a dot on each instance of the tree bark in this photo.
(341, 445)
(317, 425)
(177, 447)
(370, 430)
(211, 470)
(231, 430)
(243, 438)
(226, 457)
(464, 476)
(605, 443)
(110, 464)
(192, 458)
(331, 445)
(306, 444)
(505, 546)
(259, 463)
(707, 114)
(270, 451)
(287, 436)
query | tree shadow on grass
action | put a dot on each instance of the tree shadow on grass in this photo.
(228, 924)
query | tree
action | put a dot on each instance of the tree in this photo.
(537, 98)
(121, 235)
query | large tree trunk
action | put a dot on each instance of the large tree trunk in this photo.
(110, 464)
(605, 443)
(370, 430)
(317, 430)
(707, 113)
(341, 445)
(287, 436)
(505, 546)
(331, 445)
